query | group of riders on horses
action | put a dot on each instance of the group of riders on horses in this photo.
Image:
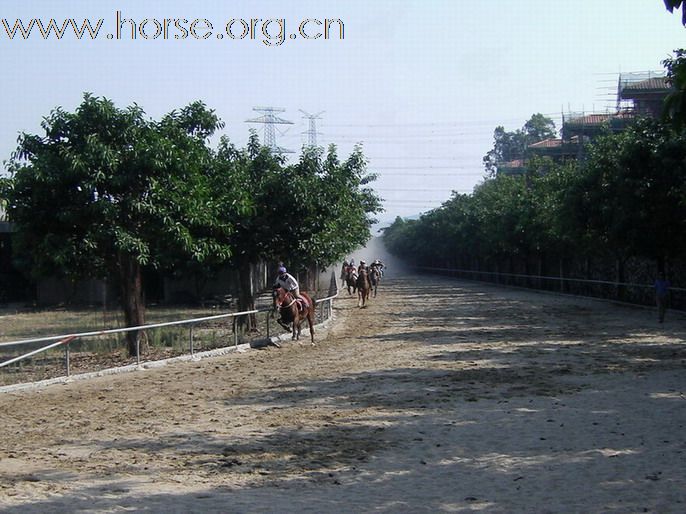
(293, 306)
(349, 268)
(363, 279)
(289, 283)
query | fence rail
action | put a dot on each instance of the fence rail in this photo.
(68, 340)
(522, 280)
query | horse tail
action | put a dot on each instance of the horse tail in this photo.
(309, 314)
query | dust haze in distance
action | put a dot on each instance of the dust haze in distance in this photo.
(375, 249)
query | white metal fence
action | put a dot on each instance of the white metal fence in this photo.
(22, 367)
(606, 289)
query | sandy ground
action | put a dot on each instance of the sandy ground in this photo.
(440, 396)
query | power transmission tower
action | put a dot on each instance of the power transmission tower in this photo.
(270, 120)
(312, 130)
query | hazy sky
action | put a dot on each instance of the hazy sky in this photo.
(420, 83)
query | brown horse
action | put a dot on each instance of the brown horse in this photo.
(351, 279)
(291, 312)
(374, 278)
(363, 288)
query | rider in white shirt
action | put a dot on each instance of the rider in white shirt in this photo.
(289, 283)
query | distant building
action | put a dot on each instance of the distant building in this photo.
(516, 167)
(643, 94)
(586, 127)
(557, 149)
(638, 94)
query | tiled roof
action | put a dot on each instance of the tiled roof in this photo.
(652, 84)
(517, 163)
(598, 119)
(547, 143)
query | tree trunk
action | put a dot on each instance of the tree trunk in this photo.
(246, 297)
(563, 285)
(527, 270)
(132, 297)
(312, 276)
(621, 288)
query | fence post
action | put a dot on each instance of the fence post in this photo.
(190, 337)
(268, 315)
(67, 364)
(235, 331)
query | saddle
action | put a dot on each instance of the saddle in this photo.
(302, 304)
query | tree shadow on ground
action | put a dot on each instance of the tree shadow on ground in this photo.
(472, 425)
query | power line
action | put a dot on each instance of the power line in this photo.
(434, 157)
(419, 167)
(499, 121)
(420, 174)
(412, 190)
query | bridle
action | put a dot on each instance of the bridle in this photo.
(281, 305)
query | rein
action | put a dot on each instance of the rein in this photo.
(282, 306)
(287, 306)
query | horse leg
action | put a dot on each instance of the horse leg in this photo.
(310, 321)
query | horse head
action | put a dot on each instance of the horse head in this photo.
(279, 295)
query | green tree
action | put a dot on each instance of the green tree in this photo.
(308, 214)
(508, 146)
(673, 5)
(675, 103)
(106, 192)
(629, 197)
(337, 204)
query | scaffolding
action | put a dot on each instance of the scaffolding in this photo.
(636, 85)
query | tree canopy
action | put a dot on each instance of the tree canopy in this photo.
(106, 191)
(509, 146)
(626, 198)
(673, 5)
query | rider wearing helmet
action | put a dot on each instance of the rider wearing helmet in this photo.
(290, 284)
(362, 267)
(344, 269)
(378, 265)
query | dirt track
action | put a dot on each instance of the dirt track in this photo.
(440, 396)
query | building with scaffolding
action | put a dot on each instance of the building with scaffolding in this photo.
(638, 94)
(642, 94)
